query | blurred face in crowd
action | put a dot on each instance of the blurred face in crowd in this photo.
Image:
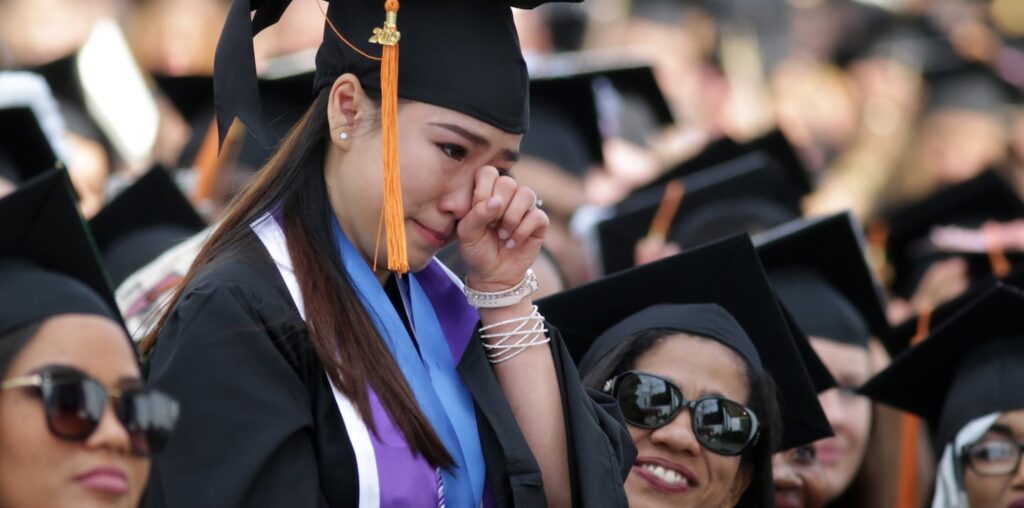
(959, 144)
(848, 413)
(989, 476)
(798, 478)
(40, 469)
(672, 468)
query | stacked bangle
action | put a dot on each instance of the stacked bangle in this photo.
(504, 349)
(511, 296)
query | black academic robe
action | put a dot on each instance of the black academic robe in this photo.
(260, 427)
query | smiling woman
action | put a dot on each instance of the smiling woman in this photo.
(693, 360)
(361, 371)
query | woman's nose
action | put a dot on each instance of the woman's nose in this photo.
(677, 435)
(110, 434)
(783, 475)
(457, 198)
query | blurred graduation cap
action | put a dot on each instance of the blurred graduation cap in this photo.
(103, 95)
(728, 274)
(774, 144)
(143, 222)
(44, 242)
(563, 123)
(971, 87)
(910, 249)
(34, 128)
(745, 194)
(972, 365)
(913, 41)
(285, 99)
(820, 271)
(919, 326)
(629, 101)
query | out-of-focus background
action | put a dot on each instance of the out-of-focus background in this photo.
(876, 106)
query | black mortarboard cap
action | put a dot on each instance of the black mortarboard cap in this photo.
(819, 269)
(143, 222)
(972, 365)
(285, 99)
(459, 54)
(25, 149)
(774, 144)
(48, 263)
(563, 123)
(629, 100)
(972, 87)
(745, 194)
(909, 250)
(726, 275)
(905, 332)
(914, 41)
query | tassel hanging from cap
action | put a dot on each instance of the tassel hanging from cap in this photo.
(393, 213)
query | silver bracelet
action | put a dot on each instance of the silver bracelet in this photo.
(500, 351)
(511, 296)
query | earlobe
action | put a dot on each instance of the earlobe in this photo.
(343, 107)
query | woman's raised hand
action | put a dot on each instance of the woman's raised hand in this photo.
(500, 237)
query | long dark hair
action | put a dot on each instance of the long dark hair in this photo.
(334, 314)
(763, 402)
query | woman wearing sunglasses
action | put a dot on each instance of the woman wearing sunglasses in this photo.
(695, 389)
(77, 425)
(965, 380)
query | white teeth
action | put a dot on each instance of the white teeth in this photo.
(666, 475)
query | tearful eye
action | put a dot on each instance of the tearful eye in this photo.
(453, 151)
(505, 172)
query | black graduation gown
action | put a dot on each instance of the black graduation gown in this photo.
(260, 427)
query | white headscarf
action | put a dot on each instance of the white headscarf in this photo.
(949, 490)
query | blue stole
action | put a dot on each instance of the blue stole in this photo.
(430, 372)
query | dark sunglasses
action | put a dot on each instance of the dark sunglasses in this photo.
(722, 426)
(74, 405)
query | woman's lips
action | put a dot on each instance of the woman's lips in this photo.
(1017, 504)
(105, 479)
(433, 237)
(787, 500)
(665, 475)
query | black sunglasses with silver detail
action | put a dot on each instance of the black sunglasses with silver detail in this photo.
(648, 401)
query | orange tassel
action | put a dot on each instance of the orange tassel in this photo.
(394, 211)
(907, 493)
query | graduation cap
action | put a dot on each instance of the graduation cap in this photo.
(746, 194)
(819, 269)
(285, 99)
(32, 143)
(48, 262)
(972, 365)
(774, 144)
(913, 41)
(917, 327)
(563, 123)
(909, 248)
(103, 95)
(727, 274)
(629, 101)
(972, 87)
(143, 222)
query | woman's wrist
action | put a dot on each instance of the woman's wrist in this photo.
(506, 295)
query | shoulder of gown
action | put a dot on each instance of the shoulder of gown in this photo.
(601, 450)
(235, 353)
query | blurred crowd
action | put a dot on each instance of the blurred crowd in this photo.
(909, 113)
